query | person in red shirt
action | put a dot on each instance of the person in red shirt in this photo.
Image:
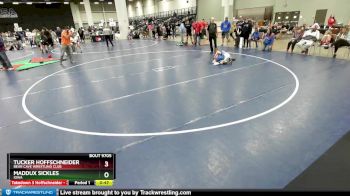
(331, 21)
(197, 28)
(204, 27)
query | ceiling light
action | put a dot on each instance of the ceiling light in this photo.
(1, 2)
(29, 3)
(48, 3)
(96, 2)
(15, 3)
(81, 2)
(66, 3)
(109, 3)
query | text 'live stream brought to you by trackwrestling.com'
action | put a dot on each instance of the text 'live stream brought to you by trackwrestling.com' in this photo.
(96, 192)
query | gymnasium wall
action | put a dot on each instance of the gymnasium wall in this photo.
(340, 8)
(144, 7)
(101, 11)
(211, 8)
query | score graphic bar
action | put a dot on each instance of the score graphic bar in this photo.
(60, 169)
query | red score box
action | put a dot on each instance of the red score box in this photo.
(39, 182)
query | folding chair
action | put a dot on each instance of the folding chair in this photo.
(313, 47)
(329, 49)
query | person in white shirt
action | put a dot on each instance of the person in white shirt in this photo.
(182, 32)
(54, 37)
(107, 32)
(30, 38)
(76, 42)
(129, 33)
(309, 38)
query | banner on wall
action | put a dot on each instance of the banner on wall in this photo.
(8, 13)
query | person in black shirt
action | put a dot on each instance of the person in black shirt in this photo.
(18, 44)
(49, 37)
(188, 26)
(159, 31)
(274, 29)
(173, 28)
(168, 30)
(81, 34)
(246, 31)
(58, 33)
(212, 34)
(153, 30)
(238, 32)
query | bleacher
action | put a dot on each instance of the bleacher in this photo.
(174, 16)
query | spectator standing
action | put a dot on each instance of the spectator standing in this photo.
(197, 28)
(233, 27)
(150, 28)
(188, 26)
(58, 33)
(54, 37)
(182, 32)
(159, 31)
(212, 34)
(66, 44)
(19, 45)
(29, 37)
(107, 32)
(173, 29)
(204, 28)
(225, 28)
(81, 34)
(246, 31)
(37, 38)
(168, 30)
(3, 57)
(238, 32)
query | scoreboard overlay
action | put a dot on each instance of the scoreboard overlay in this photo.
(61, 169)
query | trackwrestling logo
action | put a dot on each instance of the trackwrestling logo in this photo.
(8, 191)
(28, 192)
